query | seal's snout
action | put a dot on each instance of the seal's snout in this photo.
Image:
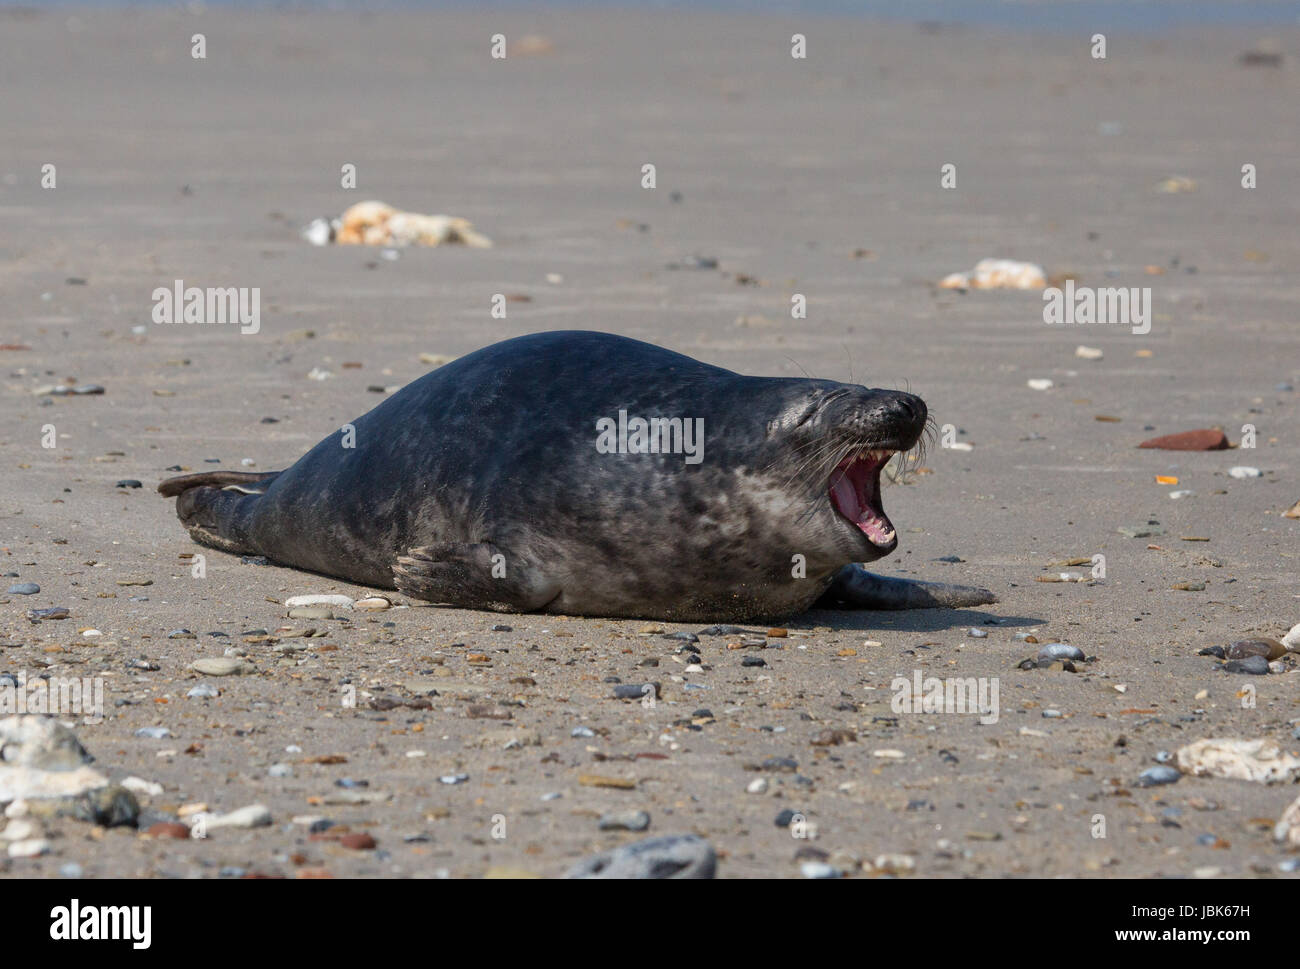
(879, 423)
(908, 408)
(899, 418)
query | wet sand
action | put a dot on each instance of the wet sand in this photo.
(817, 176)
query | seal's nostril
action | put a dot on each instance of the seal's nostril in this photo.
(909, 407)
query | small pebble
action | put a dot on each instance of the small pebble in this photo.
(625, 821)
(24, 589)
(221, 666)
(1268, 648)
(1251, 665)
(671, 856)
(252, 816)
(1055, 651)
(635, 691)
(31, 848)
(819, 869)
(1159, 775)
(54, 612)
(20, 829)
(1202, 440)
(169, 829)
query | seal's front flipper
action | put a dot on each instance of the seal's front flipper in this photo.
(477, 576)
(856, 588)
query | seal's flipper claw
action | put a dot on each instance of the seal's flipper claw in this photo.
(470, 576)
(856, 588)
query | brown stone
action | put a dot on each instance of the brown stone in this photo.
(1203, 440)
(1268, 648)
(169, 829)
(358, 842)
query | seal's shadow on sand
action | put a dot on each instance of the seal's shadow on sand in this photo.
(910, 620)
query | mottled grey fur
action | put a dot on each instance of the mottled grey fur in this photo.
(492, 460)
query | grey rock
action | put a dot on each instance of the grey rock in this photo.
(1159, 775)
(221, 666)
(312, 612)
(1251, 665)
(109, 806)
(635, 691)
(625, 821)
(24, 589)
(32, 741)
(819, 869)
(54, 612)
(669, 856)
(1055, 651)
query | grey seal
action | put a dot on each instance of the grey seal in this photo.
(584, 473)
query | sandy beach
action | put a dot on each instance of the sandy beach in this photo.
(775, 176)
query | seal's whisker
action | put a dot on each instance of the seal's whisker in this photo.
(800, 366)
(911, 460)
(825, 447)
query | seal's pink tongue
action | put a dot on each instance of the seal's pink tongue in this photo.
(855, 493)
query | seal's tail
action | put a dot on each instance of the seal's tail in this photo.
(212, 505)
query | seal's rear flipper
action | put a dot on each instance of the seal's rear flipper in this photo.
(476, 576)
(210, 505)
(249, 482)
(856, 588)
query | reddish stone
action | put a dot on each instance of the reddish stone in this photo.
(358, 842)
(169, 829)
(1205, 440)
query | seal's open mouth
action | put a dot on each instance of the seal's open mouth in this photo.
(855, 493)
